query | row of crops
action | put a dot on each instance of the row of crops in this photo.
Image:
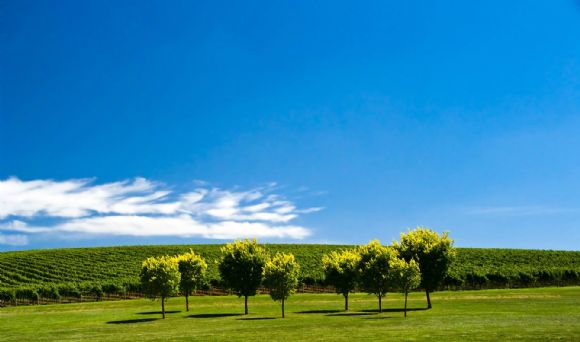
(114, 271)
(478, 268)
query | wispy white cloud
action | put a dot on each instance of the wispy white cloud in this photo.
(182, 225)
(141, 207)
(78, 197)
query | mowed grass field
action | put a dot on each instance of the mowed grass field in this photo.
(517, 314)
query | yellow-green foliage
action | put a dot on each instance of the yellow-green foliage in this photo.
(432, 252)
(281, 275)
(374, 267)
(193, 270)
(341, 270)
(405, 275)
(241, 266)
(160, 276)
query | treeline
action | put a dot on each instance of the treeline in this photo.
(421, 258)
(88, 274)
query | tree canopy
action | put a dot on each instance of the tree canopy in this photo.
(160, 278)
(341, 270)
(241, 268)
(432, 252)
(281, 275)
(193, 270)
(405, 276)
(374, 266)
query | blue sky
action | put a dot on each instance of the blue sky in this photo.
(334, 122)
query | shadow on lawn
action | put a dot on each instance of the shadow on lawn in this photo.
(157, 312)
(351, 314)
(317, 311)
(254, 318)
(130, 321)
(213, 315)
(396, 310)
(379, 317)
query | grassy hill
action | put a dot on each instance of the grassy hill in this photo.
(473, 268)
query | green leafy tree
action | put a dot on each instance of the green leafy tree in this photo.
(193, 270)
(8, 296)
(341, 270)
(49, 292)
(96, 290)
(432, 252)
(241, 268)
(374, 268)
(160, 278)
(281, 277)
(406, 276)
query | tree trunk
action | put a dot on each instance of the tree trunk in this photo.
(282, 307)
(245, 305)
(380, 303)
(428, 300)
(346, 302)
(186, 302)
(163, 307)
(406, 293)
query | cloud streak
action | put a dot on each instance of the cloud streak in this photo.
(140, 207)
(13, 239)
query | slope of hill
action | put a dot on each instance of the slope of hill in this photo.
(473, 267)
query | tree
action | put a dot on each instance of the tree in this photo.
(97, 291)
(374, 268)
(193, 270)
(281, 277)
(49, 292)
(241, 268)
(406, 276)
(160, 278)
(341, 270)
(8, 296)
(432, 252)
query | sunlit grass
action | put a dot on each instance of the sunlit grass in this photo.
(526, 314)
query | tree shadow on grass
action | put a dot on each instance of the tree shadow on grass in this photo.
(396, 310)
(131, 321)
(351, 314)
(157, 312)
(254, 318)
(317, 311)
(379, 317)
(213, 315)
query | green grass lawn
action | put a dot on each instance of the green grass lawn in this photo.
(526, 314)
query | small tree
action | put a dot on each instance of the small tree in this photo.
(8, 296)
(341, 270)
(406, 276)
(27, 293)
(281, 277)
(432, 252)
(374, 266)
(97, 291)
(193, 269)
(241, 268)
(50, 292)
(160, 278)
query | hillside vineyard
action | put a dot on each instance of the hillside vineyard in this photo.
(115, 270)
